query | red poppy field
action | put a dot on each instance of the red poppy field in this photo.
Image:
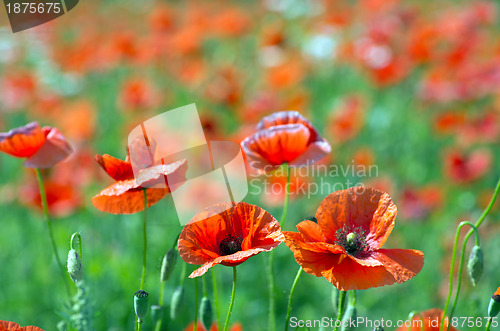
(367, 135)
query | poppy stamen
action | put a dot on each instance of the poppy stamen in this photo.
(230, 245)
(352, 239)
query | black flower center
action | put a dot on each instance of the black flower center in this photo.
(230, 245)
(352, 239)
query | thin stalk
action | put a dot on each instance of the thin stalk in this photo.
(145, 240)
(216, 298)
(452, 268)
(196, 304)
(488, 325)
(292, 291)
(270, 267)
(45, 207)
(231, 303)
(340, 311)
(474, 228)
(352, 298)
(287, 197)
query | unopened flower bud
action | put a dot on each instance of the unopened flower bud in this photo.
(168, 264)
(156, 313)
(141, 304)
(476, 264)
(74, 265)
(176, 302)
(206, 314)
(494, 307)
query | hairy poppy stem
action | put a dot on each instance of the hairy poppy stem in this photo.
(145, 240)
(287, 197)
(43, 198)
(270, 269)
(488, 325)
(196, 304)
(231, 303)
(340, 310)
(216, 298)
(459, 280)
(292, 291)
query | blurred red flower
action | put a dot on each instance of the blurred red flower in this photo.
(200, 327)
(427, 320)
(345, 245)
(11, 326)
(228, 234)
(62, 199)
(348, 119)
(284, 137)
(126, 196)
(138, 94)
(464, 167)
(43, 147)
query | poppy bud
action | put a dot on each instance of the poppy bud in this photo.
(206, 314)
(176, 302)
(74, 265)
(141, 304)
(494, 307)
(156, 313)
(350, 315)
(168, 264)
(476, 264)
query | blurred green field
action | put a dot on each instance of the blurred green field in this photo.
(100, 70)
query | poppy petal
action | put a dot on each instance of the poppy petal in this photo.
(403, 264)
(287, 117)
(6, 325)
(30, 328)
(23, 141)
(364, 207)
(168, 176)
(126, 197)
(310, 231)
(426, 317)
(55, 149)
(276, 145)
(313, 257)
(115, 168)
(314, 152)
(227, 260)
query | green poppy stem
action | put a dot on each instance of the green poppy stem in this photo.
(45, 207)
(290, 298)
(488, 325)
(145, 240)
(216, 298)
(459, 280)
(231, 303)
(270, 267)
(287, 196)
(340, 310)
(196, 304)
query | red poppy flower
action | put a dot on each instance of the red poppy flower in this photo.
(284, 137)
(126, 196)
(43, 147)
(345, 245)
(228, 234)
(428, 320)
(462, 167)
(11, 326)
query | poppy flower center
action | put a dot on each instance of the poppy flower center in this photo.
(352, 239)
(230, 245)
